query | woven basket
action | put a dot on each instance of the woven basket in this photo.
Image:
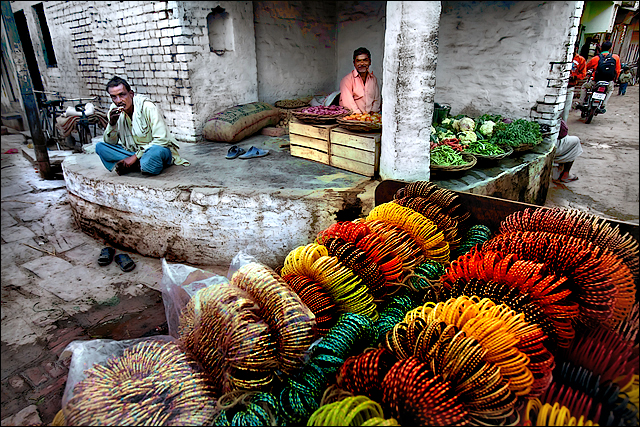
(526, 147)
(471, 162)
(297, 104)
(318, 119)
(358, 126)
(507, 153)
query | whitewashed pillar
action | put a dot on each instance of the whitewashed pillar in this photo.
(408, 88)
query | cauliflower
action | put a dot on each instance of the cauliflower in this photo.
(445, 135)
(433, 130)
(467, 137)
(466, 124)
(456, 125)
(487, 128)
(447, 122)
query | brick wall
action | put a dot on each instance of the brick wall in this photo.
(549, 108)
(140, 41)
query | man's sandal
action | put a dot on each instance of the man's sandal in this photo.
(106, 256)
(125, 262)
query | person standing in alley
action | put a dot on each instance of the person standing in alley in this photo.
(359, 90)
(578, 73)
(136, 137)
(624, 80)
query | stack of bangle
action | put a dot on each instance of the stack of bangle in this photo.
(400, 242)
(593, 270)
(242, 408)
(578, 224)
(152, 382)
(314, 296)
(351, 411)
(551, 415)
(222, 328)
(423, 230)
(356, 259)
(301, 395)
(349, 231)
(289, 319)
(449, 225)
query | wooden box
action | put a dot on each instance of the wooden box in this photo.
(355, 152)
(310, 141)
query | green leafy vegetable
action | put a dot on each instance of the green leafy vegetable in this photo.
(516, 133)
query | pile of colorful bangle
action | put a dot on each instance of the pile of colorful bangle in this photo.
(416, 315)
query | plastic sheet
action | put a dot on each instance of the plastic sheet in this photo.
(147, 379)
(179, 283)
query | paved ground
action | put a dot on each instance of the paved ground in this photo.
(607, 171)
(53, 291)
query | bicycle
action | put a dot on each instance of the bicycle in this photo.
(49, 111)
(84, 132)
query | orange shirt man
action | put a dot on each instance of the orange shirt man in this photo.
(359, 90)
(593, 65)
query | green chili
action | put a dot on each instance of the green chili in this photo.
(443, 155)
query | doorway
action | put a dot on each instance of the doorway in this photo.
(27, 47)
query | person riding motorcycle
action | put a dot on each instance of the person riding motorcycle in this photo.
(598, 75)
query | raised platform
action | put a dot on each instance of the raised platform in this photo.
(205, 213)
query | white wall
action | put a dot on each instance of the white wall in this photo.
(295, 48)
(494, 57)
(360, 24)
(219, 82)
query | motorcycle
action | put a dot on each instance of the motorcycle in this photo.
(593, 101)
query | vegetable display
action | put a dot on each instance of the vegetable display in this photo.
(331, 110)
(444, 155)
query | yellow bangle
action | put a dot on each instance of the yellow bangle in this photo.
(532, 404)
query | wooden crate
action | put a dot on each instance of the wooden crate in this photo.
(355, 152)
(310, 141)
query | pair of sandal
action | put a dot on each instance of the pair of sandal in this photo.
(568, 179)
(241, 153)
(124, 261)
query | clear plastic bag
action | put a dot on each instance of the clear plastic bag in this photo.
(179, 283)
(292, 322)
(118, 382)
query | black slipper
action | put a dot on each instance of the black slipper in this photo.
(106, 256)
(125, 262)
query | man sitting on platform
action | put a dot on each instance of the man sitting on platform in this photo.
(136, 137)
(359, 90)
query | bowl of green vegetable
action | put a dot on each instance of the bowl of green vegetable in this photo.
(487, 150)
(446, 159)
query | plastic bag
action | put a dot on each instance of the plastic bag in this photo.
(179, 283)
(118, 382)
(292, 322)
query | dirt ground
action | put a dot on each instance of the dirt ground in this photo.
(607, 171)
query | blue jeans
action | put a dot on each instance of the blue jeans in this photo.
(153, 160)
(622, 89)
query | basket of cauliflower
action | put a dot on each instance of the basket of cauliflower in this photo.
(473, 135)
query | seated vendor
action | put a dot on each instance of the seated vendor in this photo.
(136, 137)
(359, 90)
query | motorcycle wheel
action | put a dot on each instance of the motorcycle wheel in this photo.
(592, 112)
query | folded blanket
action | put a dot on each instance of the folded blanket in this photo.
(66, 124)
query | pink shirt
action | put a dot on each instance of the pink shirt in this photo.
(359, 97)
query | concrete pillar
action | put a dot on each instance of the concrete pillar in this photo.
(408, 89)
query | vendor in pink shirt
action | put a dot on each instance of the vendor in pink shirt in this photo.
(359, 89)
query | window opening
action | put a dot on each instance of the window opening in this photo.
(220, 31)
(47, 48)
